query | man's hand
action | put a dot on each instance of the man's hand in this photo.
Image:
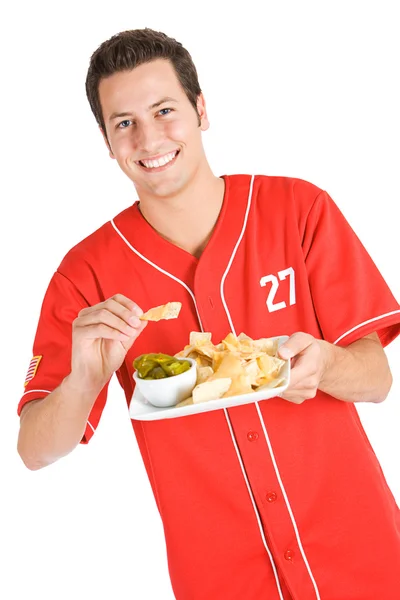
(101, 337)
(309, 362)
(357, 373)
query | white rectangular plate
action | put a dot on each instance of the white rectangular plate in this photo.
(141, 410)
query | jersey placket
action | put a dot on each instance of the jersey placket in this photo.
(215, 262)
(247, 428)
(273, 505)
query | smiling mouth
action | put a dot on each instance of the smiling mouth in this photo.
(159, 163)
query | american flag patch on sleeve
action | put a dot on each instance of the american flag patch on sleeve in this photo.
(33, 367)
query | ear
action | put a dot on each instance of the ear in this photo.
(202, 112)
(107, 143)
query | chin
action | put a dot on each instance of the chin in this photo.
(165, 189)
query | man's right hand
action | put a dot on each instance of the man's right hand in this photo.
(101, 337)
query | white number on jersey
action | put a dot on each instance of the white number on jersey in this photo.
(273, 280)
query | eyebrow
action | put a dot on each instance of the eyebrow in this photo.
(116, 115)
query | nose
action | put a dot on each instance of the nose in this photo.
(149, 139)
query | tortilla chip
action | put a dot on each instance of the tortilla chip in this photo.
(242, 336)
(252, 369)
(198, 338)
(206, 351)
(270, 365)
(186, 402)
(235, 366)
(211, 390)
(240, 385)
(203, 361)
(167, 311)
(185, 353)
(246, 346)
(231, 343)
(270, 383)
(230, 366)
(218, 358)
(203, 373)
(266, 345)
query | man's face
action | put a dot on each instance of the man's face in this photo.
(148, 117)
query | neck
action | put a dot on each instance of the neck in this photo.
(188, 218)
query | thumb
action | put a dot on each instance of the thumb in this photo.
(285, 352)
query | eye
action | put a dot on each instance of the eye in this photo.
(124, 124)
(162, 111)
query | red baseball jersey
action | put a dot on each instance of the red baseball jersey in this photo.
(267, 500)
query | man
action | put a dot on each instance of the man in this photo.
(278, 499)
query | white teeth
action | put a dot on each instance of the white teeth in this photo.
(151, 164)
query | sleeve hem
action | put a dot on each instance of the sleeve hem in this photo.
(30, 396)
(387, 326)
(89, 431)
(34, 395)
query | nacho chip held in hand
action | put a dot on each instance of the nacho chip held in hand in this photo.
(170, 310)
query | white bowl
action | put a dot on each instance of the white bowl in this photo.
(170, 390)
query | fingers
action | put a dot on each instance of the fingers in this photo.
(116, 318)
(99, 330)
(299, 396)
(128, 304)
(301, 369)
(106, 318)
(305, 372)
(302, 389)
(295, 344)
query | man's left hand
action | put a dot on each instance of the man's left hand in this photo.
(309, 358)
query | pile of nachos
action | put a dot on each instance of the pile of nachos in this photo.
(238, 365)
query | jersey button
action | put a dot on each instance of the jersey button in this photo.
(252, 436)
(289, 554)
(272, 496)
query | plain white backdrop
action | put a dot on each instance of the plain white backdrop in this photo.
(303, 89)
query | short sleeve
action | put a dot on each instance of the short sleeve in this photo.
(350, 296)
(51, 361)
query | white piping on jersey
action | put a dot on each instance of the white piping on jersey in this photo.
(394, 312)
(159, 269)
(225, 411)
(261, 419)
(91, 426)
(254, 506)
(31, 391)
(296, 531)
(234, 254)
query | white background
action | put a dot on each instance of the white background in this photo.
(301, 89)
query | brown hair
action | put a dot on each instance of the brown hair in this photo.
(129, 49)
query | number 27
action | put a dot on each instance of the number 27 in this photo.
(274, 288)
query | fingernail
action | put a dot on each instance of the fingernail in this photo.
(134, 321)
(285, 353)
